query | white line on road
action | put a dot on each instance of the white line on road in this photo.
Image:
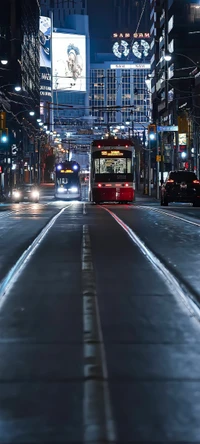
(97, 413)
(197, 224)
(175, 287)
(7, 283)
(84, 209)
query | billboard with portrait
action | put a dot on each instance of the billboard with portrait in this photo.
(45, 58)
(69, 62)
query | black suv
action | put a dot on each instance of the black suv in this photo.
(181, 186)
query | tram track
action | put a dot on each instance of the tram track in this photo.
(178, 286)
(168, 214)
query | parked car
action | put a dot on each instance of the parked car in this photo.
(26, 192)
(181, 186)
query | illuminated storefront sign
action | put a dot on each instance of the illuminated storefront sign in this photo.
(128, 35)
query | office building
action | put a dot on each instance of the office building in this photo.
(62, 9)
(19, 52)
(174, 33)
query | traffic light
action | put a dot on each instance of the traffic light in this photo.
(152, 131)
(4, 136)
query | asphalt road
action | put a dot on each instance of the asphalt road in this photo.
(99, 323)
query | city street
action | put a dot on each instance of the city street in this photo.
(99, 322)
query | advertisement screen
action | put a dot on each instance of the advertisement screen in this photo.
(45, 58)
(69, 62)
(45, 37)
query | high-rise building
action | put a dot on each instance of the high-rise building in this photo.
(129, 14)
(115, 16)
(175, 43)
(62, 9)
(118, 75)
(20, 76)
(175, 51)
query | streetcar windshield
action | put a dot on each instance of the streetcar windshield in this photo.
(67, 181)
(113, 166)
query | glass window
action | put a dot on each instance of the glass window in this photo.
(113, 166)
(97, 170)
(128, 166)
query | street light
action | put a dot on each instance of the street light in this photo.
(31, 113)
(4, 61)
(18, 88)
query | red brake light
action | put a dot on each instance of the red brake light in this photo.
(170, 181)
(196, 181)
(99, 185)
(126, 184)
(99, 146)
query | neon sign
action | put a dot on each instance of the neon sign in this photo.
(128, 35)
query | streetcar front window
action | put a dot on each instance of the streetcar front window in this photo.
(111, 166)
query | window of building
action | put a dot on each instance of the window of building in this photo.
(171, 23)
(194, 14)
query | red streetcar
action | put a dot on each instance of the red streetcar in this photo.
(111, 175)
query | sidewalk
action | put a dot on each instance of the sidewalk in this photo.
(144, 198)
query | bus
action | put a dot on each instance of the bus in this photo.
(67, 180)
(111, 175)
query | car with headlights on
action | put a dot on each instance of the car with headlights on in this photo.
(27, 192)
(181, 186)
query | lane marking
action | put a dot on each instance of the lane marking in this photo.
(174, 285)
(197, 224)
(11, 277)
(84, 209)
(99, 425)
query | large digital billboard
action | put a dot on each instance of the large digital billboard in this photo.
(69, 62)
(45, 37)
(45, 58)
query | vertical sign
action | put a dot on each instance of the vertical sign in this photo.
(45, 59)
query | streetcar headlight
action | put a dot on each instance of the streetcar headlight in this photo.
(16, 194)
(35, 194)
(61, 190)
(74, 189)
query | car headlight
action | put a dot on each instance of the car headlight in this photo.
(16, 194)
(35, 194)
(74, 189)
(61, 190)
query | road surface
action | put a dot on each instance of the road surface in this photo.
(99, 323)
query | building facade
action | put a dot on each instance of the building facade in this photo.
(20, 81)
(62, 9)
(175, 43)
(122, 89)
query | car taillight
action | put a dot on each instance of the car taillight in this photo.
(196, 181)
(99, 185)
(170, 181)
(126, 184)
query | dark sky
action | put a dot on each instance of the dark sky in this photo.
(109, 16)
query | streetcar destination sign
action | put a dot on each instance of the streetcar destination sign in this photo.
(112, 153)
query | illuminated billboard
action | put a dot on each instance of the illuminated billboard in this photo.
(45, 37)
(69, 62)
(45, 58)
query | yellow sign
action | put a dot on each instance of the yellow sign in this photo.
(2, 120)
(66, 171)
(183, 126)
(112, 153)
(158, 158)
